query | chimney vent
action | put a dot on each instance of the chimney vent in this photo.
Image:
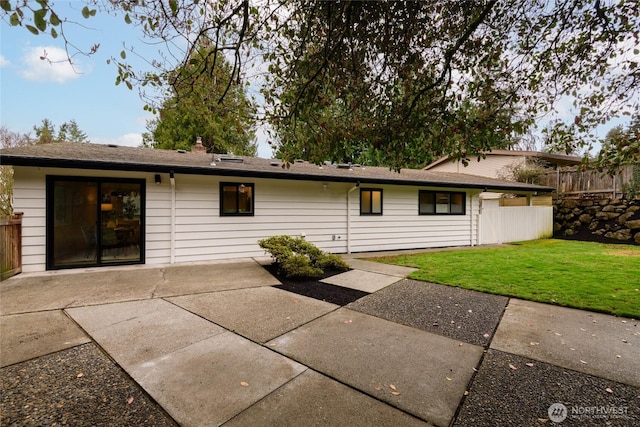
(199, 148)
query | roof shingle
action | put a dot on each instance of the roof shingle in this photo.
(109, 157)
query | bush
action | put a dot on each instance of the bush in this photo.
(300, 259)
(299, 267)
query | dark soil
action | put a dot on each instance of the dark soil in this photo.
(314, 288)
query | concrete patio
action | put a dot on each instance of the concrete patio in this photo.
(218, 344)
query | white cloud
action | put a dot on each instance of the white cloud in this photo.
(49, 64)
(127, 140)
(4, 62)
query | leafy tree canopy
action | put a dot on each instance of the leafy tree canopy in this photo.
(68, 132)
(395, 79)
(621, 146)
(197, 108)
(9, 139)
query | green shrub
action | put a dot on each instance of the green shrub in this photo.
(332, 262)
(300, 259)
(299, 267)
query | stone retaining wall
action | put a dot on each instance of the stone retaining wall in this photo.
(604, 220)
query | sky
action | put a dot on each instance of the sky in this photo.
(32, 89)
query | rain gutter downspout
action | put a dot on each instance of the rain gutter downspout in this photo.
(349, 216)
(173, 218)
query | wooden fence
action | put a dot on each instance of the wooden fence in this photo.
(11, 246)
(571, 181)
(515, 223)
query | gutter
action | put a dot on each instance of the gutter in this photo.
(218, 171)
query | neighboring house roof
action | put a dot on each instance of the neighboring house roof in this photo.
(111, 157)
(554, 159)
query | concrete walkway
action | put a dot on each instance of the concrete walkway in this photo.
(217, 343)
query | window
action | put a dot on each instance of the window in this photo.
(441, 203)
(236, 199)
(370, 201)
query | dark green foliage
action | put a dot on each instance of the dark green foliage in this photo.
(195, 109)
(299, 267)
(374, 82)
(300, 259)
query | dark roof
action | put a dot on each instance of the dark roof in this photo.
(110, 157)
(554, 159)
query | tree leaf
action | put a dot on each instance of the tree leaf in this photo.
(38, 19)
(54, 33)
(54, 20)
(14, 19)
(86, 13)
(32, 29)
(5, 5)
(127, 18)
(123, 54)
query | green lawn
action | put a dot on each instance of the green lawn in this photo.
(584, 275)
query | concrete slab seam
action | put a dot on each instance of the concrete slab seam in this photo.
(476, 370)
(269, 394)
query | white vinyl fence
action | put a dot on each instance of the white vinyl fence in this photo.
(515, 223)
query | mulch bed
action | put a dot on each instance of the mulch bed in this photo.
(314, 288)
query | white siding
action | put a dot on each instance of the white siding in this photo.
(29, 197)
(281, 207)
(400, 226)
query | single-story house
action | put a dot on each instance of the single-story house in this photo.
(100, 205)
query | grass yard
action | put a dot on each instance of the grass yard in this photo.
(586, 275)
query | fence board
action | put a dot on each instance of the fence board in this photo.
(515, 223)
(10, 246)
(573, 181)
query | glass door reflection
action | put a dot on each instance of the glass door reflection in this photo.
(94, 221)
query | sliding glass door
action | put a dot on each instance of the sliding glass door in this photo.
(94, 221)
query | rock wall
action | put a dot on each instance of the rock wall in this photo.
(604, 220)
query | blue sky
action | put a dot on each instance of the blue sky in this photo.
(32, 90)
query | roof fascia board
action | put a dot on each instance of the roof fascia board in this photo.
(217, 171)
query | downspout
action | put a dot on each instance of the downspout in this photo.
(471, 219)
(173, 218)
(349, 216)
